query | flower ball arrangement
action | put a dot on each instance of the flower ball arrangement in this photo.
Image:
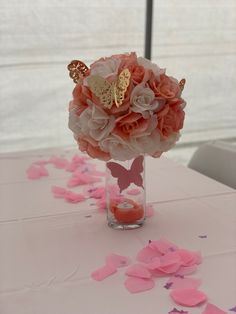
(125, 106)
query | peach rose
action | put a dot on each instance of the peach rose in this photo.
(80, 96)
(170, 119)
(133, 124)
(167, 87)
(91, 147)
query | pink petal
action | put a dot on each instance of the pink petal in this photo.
(188, 258)
(149, 211)
(135, 285)
(98, 173)
(43, 171)
(98, 193)
(35, 172)
(146, 254)
(133, 191)
(184, 283)
(103, 272)
(71, 167)
(186, 270)
(188, 297)
(163, 246)
(170, 263)
(80, 178)
(138, 270)
(212, 309)
(79, 159)
(101, 205)
(154, 264)
(58, 191)
(117, 260)
(74, 197)
(58, 162)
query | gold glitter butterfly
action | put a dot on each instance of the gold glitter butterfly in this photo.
(109, 92)
(181, 84)
(77, 70)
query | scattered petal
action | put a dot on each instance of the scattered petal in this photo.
(188, 258)
(163, 246)
(97, 193)
(212, 309)
(97, 173)
(170, 263)
(146, 254)
(184, 283)
(58, 192)
(71, 167)
(133, 191)
(149, 211)
(186, 270)
(154, 264)
(103, 272)
(35, 172)
(74, 197)
(188, 297)
(135, 285)
(80, 178)
(138, 270)
(117, 260)
(101, 205)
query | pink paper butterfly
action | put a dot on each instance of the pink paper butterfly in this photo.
(126, 177)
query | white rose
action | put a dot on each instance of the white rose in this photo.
(118, 148)
(94, 122)
(147, 64)
(105, 67)
(74, 122)
(143, 100)
(150, 144)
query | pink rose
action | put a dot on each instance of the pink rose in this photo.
(91, 147)
(167, 87)
(170, 118)
(133, 124)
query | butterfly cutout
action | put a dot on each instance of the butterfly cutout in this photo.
(109, 92)
(77, 70)
(126, 177)
(181, 84)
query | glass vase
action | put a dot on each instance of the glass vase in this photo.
(125, 193)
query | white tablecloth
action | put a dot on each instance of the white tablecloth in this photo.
(48, 247)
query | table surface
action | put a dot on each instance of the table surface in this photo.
(49, 247)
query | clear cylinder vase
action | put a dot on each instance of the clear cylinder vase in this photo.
(125, 193)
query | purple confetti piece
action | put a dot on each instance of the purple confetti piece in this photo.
(233, 309)
(202, 236)
(168, 285)
(175, 311)
(149, 241)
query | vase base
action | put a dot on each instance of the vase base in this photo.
(120, 226)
